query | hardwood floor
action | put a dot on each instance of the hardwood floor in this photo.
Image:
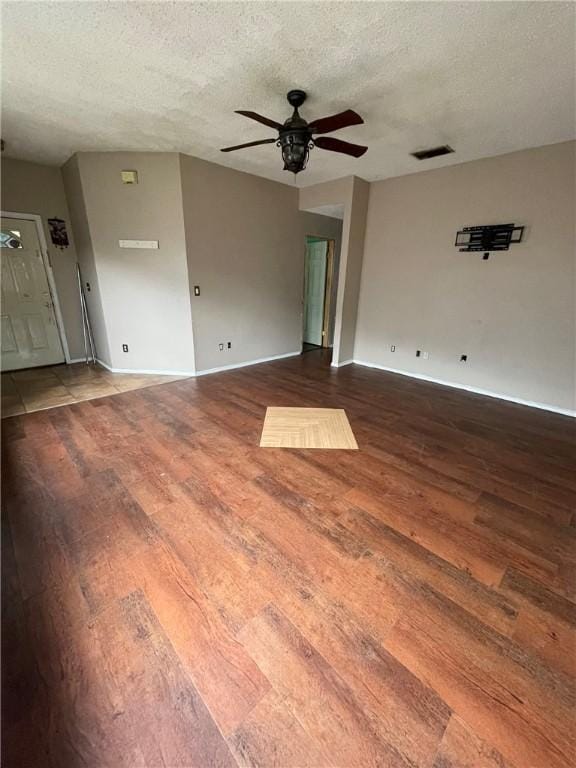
(175, 595)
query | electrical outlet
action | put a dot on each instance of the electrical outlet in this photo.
(463, 358)
(221, 347)
(196, 290)
(426, 355)
(229, 345)
(124, 347)
(393, 348)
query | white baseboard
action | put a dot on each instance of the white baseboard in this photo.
(146, 371)
(207, 371)
(342, 364)
(467, 388)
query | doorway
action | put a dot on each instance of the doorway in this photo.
(30, 331)
(318, 283)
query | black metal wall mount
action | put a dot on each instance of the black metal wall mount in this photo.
(491, 237)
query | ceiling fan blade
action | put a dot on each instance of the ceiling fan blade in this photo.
(337, 145)
(334, 122)
(259, 118)
(249, 144)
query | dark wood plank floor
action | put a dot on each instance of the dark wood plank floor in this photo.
(174, 595)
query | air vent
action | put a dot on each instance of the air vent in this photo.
(426, 154)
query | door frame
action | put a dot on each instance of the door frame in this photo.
(328, 283)
(49, 274)
(328, 291)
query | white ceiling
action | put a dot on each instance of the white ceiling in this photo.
(484, 77)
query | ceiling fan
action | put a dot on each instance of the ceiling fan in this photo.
(296, 137)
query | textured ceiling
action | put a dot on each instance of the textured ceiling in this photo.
(484, 77)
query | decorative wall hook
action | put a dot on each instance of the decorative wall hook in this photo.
(58, 234)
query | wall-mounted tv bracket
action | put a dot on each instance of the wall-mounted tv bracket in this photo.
(492, 237)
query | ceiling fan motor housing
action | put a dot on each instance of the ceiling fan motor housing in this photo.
(296, 97)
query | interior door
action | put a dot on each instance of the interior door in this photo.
(314, 290)
(30, 335)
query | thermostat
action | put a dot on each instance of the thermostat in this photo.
(129, 177)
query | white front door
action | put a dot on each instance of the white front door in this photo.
(314, 289)
(30, 334)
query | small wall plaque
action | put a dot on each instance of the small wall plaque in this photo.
(138, 243)
(129, 177)
(58, 234)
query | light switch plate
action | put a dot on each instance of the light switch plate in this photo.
(138, 243)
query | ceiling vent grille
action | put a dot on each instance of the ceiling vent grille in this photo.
(426, 154)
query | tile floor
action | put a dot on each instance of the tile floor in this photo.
(307, 428)
(34, 389)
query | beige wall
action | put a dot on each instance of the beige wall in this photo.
(245, 240)
(85, 253)
(240, 237)
(33, 188)
(143, 293)
(513, 315)
(349, 288)
(329, 193)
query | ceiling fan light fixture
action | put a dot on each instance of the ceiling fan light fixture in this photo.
(295, 150)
